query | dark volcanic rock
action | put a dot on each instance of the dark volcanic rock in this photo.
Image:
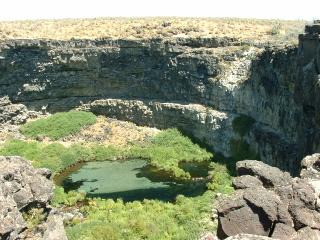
(23, 187)
(246, 181)
(26, 185)
(269, 176)
(248, 237)
(283, 231)
(283, 208)
(242, 220)
(307, 233)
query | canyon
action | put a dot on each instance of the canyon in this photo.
(199, 85)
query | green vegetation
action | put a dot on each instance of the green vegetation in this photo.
(164, 151)
(58, 125)
(167, 149)
(186, 219)
(221, 179)
(34, 217)
(242, 124)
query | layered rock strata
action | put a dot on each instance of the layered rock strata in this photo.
(275, 86)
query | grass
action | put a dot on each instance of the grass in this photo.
(58, 125)
(146, 28)
(107, 219)
(164, 151)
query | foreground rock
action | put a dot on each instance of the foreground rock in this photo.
(270, 203)
(22, 188)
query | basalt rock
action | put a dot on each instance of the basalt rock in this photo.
(276, 205)
(22, 188)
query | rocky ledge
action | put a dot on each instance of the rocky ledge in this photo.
(270, 203)
(23, 188)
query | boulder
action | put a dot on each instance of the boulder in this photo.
(269, 176)
(11, 220)
(307, 233)
(268, 206)
(54, 228)
(246, 181)
(310, 167)
(236, 217)
(283, 231)
(248, 237)
(304, 217)
(25, 184)
(269, 202)
(23, 187)
(12, 113)
(242, 220)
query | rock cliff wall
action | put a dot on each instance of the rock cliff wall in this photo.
(198, 85)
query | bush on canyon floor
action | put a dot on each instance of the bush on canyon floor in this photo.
(167, 149)
(221, 179)
(58, 125)
(186, 219)
(164, 151)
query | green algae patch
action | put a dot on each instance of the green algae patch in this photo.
(58, 125)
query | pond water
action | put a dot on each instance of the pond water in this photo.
(130, 180)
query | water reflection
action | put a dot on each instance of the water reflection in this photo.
(130, 180)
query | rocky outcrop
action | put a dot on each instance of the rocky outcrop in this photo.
(22, 188)
(269, 202)
(203, 123)
(12, 113)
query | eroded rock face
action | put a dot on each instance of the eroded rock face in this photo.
(218, 74)
(23, 187)
(273, 204)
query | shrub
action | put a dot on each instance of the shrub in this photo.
(276, 29)
(58, 125)
(34, 217)
(185, 219)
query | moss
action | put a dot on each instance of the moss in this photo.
(242, 124)
(58, 125)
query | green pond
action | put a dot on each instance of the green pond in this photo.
(131, 180)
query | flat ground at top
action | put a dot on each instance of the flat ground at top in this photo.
(263, 31)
